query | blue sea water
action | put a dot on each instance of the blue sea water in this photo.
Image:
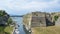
(19, 21)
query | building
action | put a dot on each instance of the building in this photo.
(37, 19)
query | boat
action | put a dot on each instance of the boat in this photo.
(18, 25)
(17, 31)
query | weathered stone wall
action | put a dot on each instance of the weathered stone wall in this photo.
(55, 14)
(53, 20)
(57, 23)
(27, 20)
(38, 19)
(49, 20)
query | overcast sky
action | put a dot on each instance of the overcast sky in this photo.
(20, 7)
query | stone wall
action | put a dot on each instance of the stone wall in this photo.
(27, 21)
(37, 19)
(53, 20)
(57, 23)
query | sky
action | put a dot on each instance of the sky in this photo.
(20, 7)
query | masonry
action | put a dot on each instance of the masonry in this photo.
(37, 19)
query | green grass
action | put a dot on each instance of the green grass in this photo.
(6, 29)
(47, 30)
(1, 30)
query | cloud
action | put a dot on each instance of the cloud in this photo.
(24, 6)
(43, 6)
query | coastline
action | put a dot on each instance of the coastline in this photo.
(26, 31)
(13, 30)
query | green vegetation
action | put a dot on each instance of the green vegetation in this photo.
(9, 21)
(1, 30)
(2, 13)
(55, 18)
(6, 29)
(46, 30)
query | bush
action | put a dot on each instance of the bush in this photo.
(2, 13)
(55, 18)
(9, 21)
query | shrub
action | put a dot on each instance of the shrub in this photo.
(9, 21)
(55, 18)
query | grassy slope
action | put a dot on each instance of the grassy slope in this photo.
(6, 29)
(46, 30)
(1, 30)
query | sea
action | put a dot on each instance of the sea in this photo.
(19, 21)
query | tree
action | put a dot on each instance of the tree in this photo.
(9, 21)
(55, 18)
(4, 13)
(1, 13)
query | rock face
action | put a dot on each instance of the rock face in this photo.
(3, 18)
(37, 19)
(57, 23)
